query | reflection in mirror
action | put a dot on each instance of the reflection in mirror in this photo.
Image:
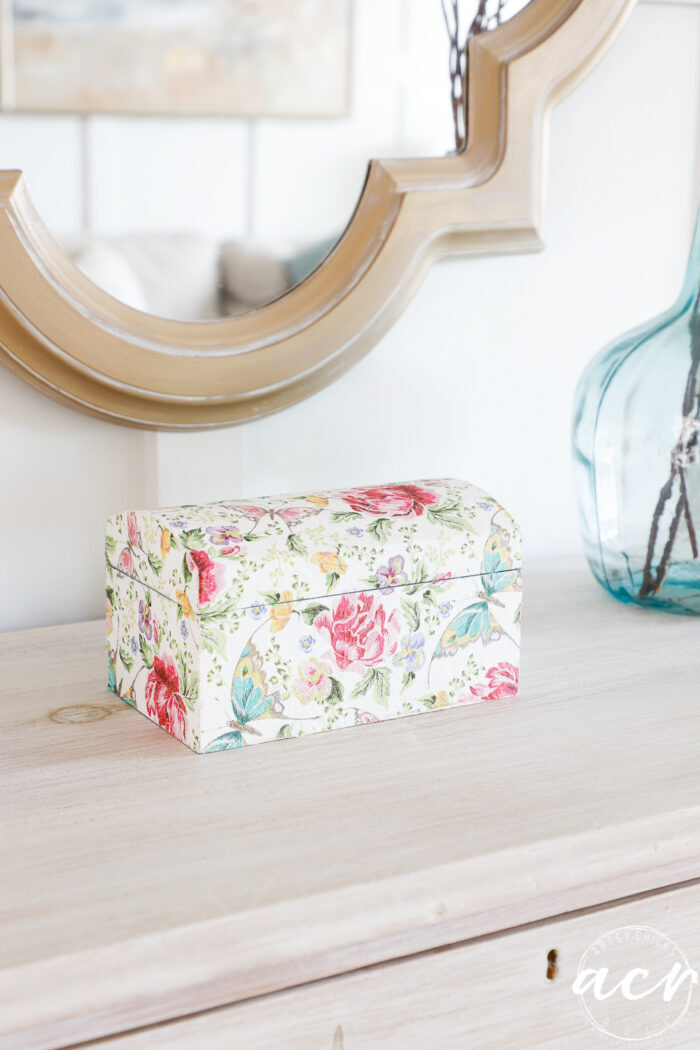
(214, 150)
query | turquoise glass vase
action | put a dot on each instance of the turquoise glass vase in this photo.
(636, 457)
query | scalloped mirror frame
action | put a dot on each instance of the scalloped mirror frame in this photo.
(75, 343)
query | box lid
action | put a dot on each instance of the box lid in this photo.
(240, 554)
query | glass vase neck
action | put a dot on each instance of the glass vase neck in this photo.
(691, 282)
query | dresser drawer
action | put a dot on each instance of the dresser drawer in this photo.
(484, 995)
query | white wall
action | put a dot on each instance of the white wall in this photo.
(221, 176)
(474, 380)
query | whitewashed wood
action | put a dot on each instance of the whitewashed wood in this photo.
(144, 882)
(484, 996)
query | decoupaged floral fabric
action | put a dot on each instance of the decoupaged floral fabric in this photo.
(250, 620)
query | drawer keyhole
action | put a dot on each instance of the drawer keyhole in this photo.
(552, 964)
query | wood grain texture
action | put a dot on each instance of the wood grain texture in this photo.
(142, 882)
(74, 342)
(485, 996)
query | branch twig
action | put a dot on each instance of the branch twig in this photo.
(459, 61)
(682, 454)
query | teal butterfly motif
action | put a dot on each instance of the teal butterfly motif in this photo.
(249, 700)
(478, 621)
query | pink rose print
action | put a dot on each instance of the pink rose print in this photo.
(125, 563)
(209, 574)
(163, 700)
(134, 534)
(360, 632)
(314, 682)
(364, 717)
(392, 501)
(503, 681)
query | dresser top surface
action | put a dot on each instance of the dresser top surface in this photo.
(305, 857)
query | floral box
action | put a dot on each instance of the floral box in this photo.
(252, 620)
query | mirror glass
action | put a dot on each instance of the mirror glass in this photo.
(199, 158)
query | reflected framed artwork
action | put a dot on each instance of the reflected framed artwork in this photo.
(204, 57)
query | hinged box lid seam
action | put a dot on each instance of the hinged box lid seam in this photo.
(307, 546)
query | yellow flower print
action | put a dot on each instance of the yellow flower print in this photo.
(441, 700)
(165, 542)
(185, 603)
(280, 613)
(318, 501)
(329, 562)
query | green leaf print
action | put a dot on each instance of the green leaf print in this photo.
(407, 679)
(310, 613)
(380, 529)
(345, 515)
(270, 597)
(213, 640)
(412, 613)
(146, 652)
(421, 577)
(126, 659)
(193, 539)
(296, 545)
(449, 514)
(336, 693)
(381, 686)
(155, 563)
(376, 679)
(224, 610)
(110, 546)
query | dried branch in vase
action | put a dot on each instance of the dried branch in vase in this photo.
(483, 20)
(683, 453)
(636, 444)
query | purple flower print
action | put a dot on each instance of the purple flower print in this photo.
(410, 654)
(391, 575)
(307, 642)
(183, 629)
(258, 610)
(145, 626)
(444, 609)
(224, 535)
(134, 646)
(354, 530)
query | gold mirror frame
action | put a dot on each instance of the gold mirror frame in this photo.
(74, 342)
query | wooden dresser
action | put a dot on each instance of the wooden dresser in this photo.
(400, 885)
